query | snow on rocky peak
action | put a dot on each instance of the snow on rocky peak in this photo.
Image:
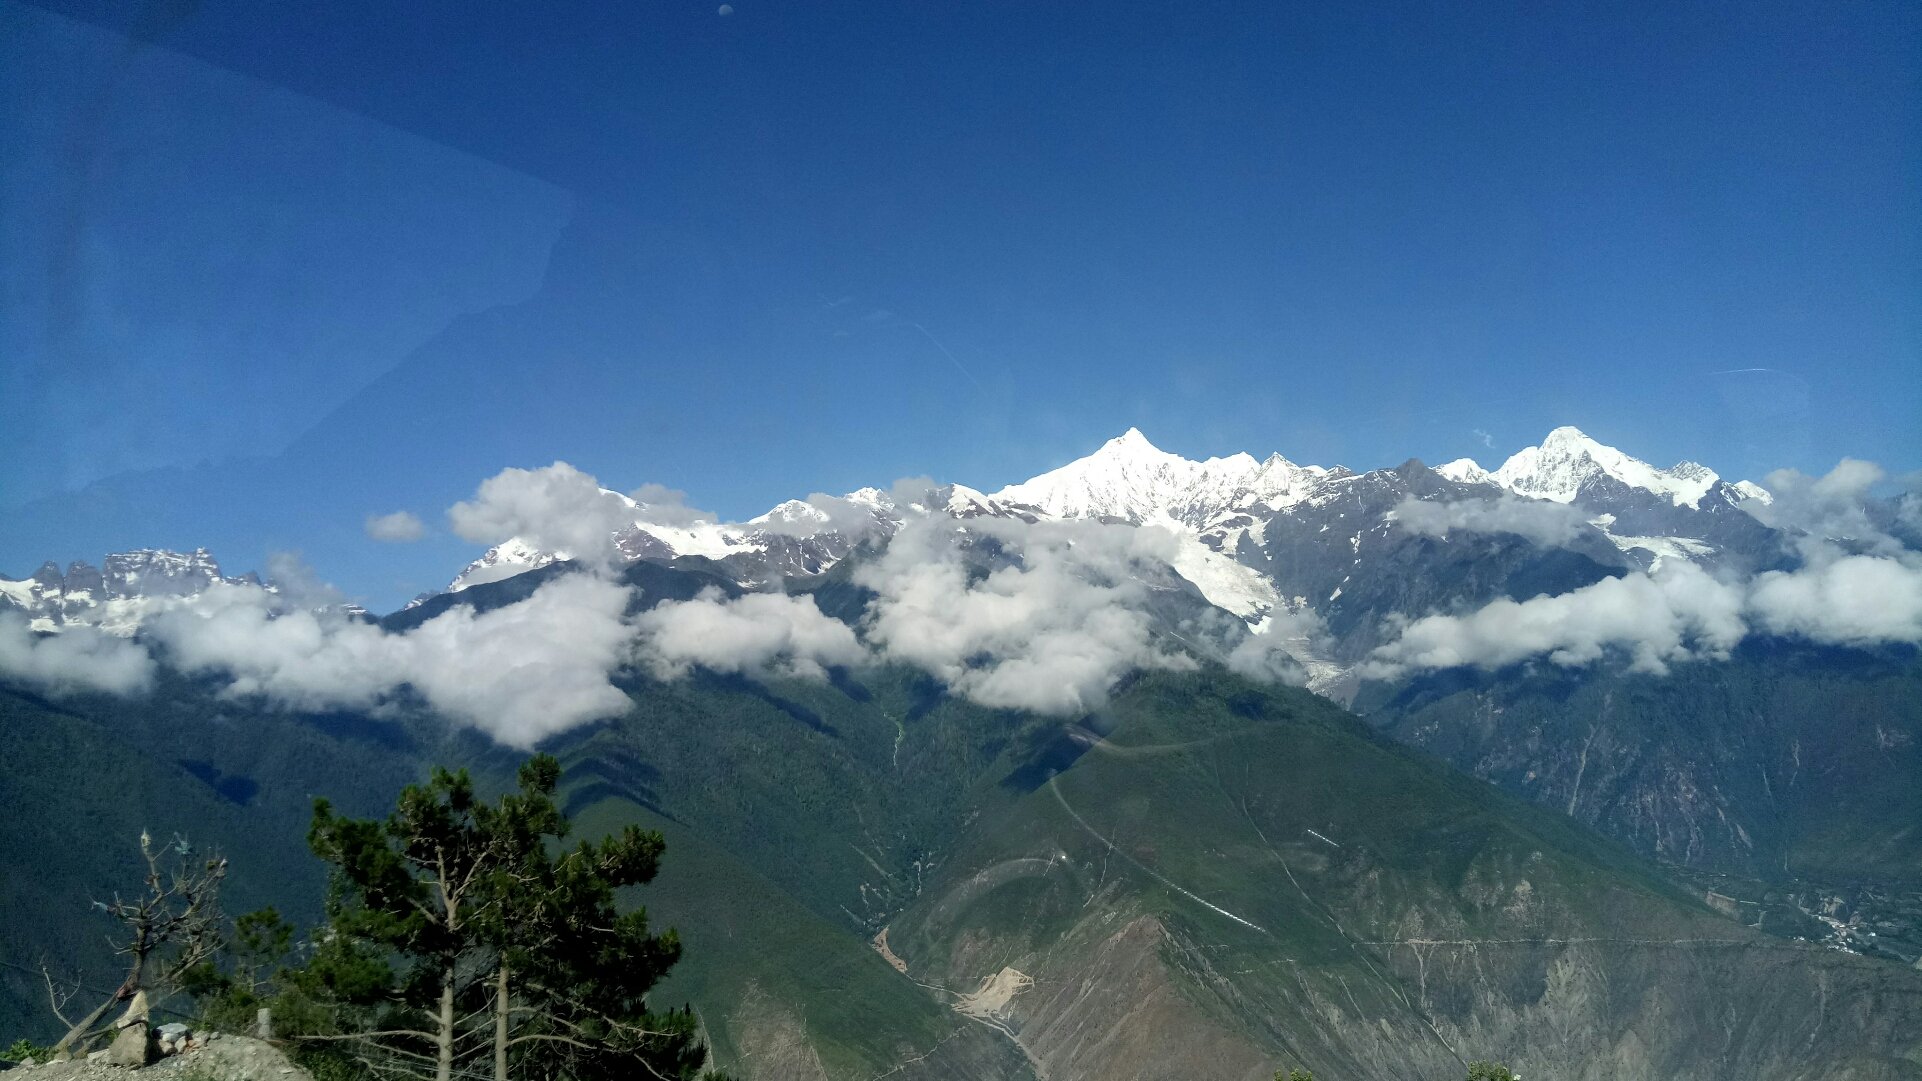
(504, 560)
(117, 596)
(1130, 479)
(1567, 459)
(1464, 471)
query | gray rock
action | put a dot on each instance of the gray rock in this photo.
(134, 1046)
(174, 1031)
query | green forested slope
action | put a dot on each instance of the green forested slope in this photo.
(1205, 878)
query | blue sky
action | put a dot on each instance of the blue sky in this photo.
(264, 272)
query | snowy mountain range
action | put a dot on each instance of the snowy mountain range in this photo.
(128, 589)
(116, 596)
(1256, 537)
(1226, 504)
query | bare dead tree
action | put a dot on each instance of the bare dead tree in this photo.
(171, 925)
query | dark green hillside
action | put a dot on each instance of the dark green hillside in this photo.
(83, 777)
(786, 990)
(1167, 875)
(1207, 878)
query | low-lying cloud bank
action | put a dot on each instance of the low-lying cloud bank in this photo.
(757, 633)
(1539, 520)
(519, 673)
(81, 659)
(1839, 507)
(1678, 613)
(1050, 629)
(1859, 585)
(1044, 617)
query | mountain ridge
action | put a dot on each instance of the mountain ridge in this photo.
(1224, 502)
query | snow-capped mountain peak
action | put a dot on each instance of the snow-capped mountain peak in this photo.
(1464, 471)
(1568, 459)
(504, 560)
(1132, 480)
(1128, 478)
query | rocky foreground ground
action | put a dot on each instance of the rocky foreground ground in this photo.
(228, 1058)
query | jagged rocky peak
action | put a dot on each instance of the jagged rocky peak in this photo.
(157, 572)
(84, 577)
(116, 596)
(143, 572)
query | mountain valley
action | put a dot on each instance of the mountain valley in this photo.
(899, 846)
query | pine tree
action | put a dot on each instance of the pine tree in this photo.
(461, 932)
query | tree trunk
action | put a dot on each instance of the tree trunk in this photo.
(85, 1026)
(444, 1036)
(500, 1023)
(127, 990)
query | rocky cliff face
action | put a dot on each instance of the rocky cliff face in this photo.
(1238, 904)
(1787, 779)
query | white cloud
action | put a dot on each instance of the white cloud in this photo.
(1832, 507)
(297, 584)
(520, 673)
(1852, 601)
(1676, 613)
(662, 505)
(818, 513)
(297, 657)
(77, 659)
(400, 527)
(1050, 629)
(555, 508)
(908, 491)
(1859, 585)
(1268, 655)
(759, 632)
(1538, 520)
(530, 669)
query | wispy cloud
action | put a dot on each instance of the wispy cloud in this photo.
(1538, 520)
(400, 527)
